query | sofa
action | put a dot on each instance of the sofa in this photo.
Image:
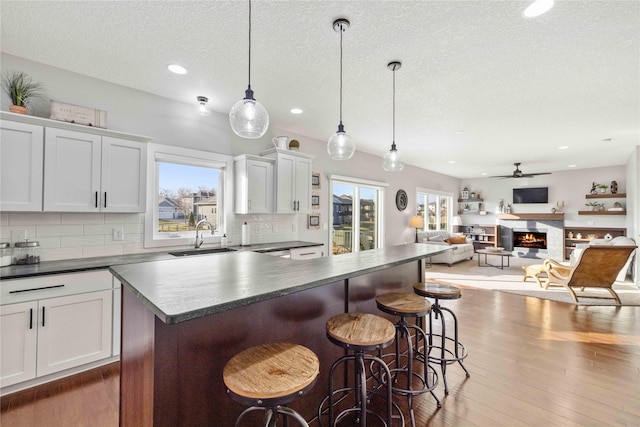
(456, 251)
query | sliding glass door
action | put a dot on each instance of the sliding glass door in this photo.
(357, 216)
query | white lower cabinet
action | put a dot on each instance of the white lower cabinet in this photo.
(49, 324)
(73, 330)
(19, 338)
(311, 252)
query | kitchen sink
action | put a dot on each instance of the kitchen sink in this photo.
(191, 252)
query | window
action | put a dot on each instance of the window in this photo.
(435, 208)
(187, 186)
(356, 229)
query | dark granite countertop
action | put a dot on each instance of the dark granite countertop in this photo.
(83, 264)
(191, 287)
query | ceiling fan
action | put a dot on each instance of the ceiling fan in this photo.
(519, 174)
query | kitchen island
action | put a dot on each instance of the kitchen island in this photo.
(183, 319)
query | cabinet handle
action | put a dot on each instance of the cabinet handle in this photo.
(36, 289)
(105, 199)
(31, 318)
(307, 253)
(43, 316)
(249, 204)
(96, 199)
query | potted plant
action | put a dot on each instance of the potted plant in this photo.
(466, 207)
(592, 205)
(21, 89)
(602, 188)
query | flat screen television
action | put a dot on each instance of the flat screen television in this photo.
(531, 195)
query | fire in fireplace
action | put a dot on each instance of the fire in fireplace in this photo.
(532, 239)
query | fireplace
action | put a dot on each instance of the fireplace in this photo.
(532, 239)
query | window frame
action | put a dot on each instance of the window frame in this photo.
(429, 192)
(358, 183)
(190, 157)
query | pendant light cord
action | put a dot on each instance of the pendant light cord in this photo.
(341, 31)
(249, 43)
(393, 139)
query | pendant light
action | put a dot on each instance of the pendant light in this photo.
(340, 145)
(392, 160)
(248, 118)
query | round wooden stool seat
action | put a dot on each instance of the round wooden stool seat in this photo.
(271, 371)
(403, 304)
(437, 290)
(362, 330)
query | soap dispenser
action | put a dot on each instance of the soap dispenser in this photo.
(223, 241)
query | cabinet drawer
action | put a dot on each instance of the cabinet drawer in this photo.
(307, 253)
(56, 285)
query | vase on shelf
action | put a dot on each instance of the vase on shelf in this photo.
(18, 109)
(614, 187)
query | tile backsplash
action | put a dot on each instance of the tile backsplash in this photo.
(86, 235)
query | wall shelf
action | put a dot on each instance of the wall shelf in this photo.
(569, 243)
(533, 216)
(606, 196)
(602, 212)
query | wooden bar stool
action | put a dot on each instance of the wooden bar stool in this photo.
(449, 350)
(359, 333)
(269, 376)
(406, 305)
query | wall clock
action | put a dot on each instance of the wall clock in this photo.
(401, 200)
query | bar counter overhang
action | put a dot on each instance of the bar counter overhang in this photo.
(183, 319)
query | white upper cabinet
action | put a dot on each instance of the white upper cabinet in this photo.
(92, 173)
(21, 162)
(254, 184)
(63, 167)
(293, 180)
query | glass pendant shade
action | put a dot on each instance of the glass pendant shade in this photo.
(340, 145)
(248, 118)
(392, 160)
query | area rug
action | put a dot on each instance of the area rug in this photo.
(509, 279)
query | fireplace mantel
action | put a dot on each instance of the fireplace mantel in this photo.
(532, 216)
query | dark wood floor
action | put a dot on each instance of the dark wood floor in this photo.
(532, 362)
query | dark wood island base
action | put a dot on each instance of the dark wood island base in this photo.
(171, 373)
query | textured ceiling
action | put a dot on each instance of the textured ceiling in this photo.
(479, 84)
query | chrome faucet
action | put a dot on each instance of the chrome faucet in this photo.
(200, 241)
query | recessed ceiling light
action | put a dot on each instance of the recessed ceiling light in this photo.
(296, 111)
(175, 68)
(537, 8)
(483, 174)
(563, 147)
(572, 166)
(452, 162)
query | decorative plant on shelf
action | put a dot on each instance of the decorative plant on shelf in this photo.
(466, 207)
(603, 188)
(21, 89)
(592, 205)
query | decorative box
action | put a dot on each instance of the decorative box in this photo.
(76, 114)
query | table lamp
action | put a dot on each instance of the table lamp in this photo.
(416, 222)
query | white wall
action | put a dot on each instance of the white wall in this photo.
(569, 187)
(175, 123)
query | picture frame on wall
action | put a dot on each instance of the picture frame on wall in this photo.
(314, 221)
(315, 200)
(315, 180)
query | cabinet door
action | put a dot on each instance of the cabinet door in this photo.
(285, 189)
(21, 162)
(303, 185)
(73, 330)
(71, 171)
(259, 187)
(18, 335)
(123, 175)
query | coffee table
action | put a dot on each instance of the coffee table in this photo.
(501, 254)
